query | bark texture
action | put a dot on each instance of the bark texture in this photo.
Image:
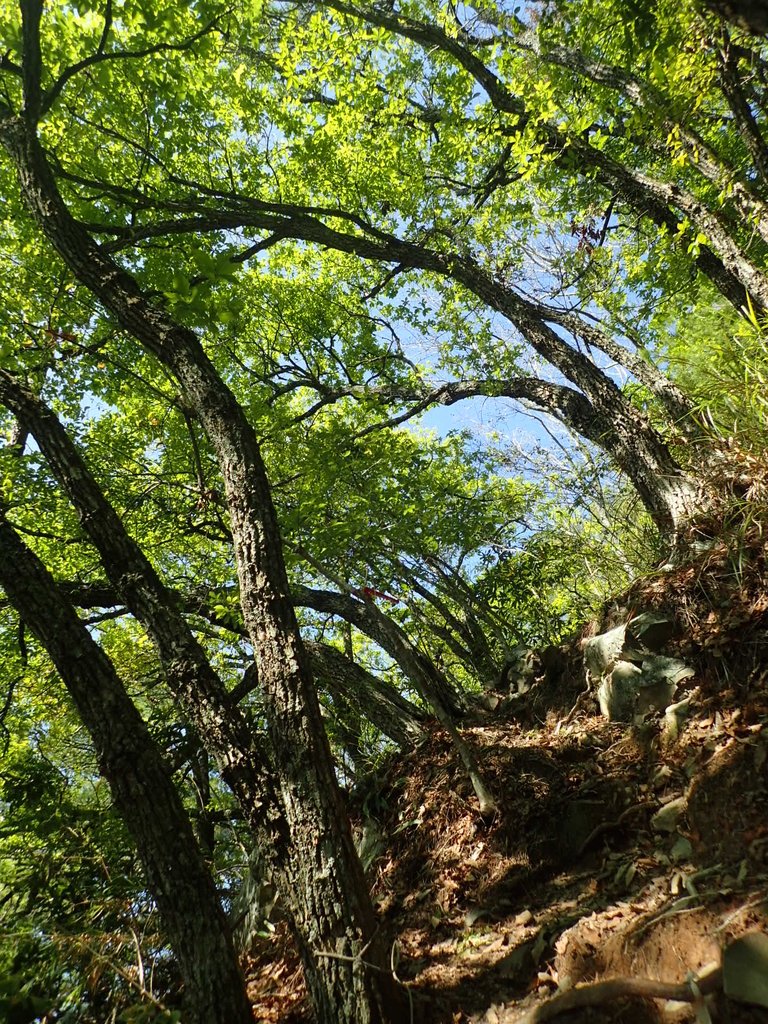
(751, 15)
(381, 704)
(319, 873)
(142, 789)
(430, 684)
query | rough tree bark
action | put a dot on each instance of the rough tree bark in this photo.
(750, 15)
(189, 675)
(142, 789)
(343, 952)
(429, 683)
(356, 688)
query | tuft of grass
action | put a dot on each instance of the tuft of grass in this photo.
(721, 361)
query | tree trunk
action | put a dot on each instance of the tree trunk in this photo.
(142, 790)
(750, 15)
(431, 685)
(318, 873)
(367, 617)
(671, 496)
(472, 646)
(392, 714)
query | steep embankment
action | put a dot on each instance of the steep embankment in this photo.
(632, 851)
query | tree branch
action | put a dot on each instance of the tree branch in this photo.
(32, 63)
(52, 94)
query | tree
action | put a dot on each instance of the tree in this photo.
(331, 908)
(141, 786)
(457, 227)
(212, 280)
(551, 146)
(744, 13)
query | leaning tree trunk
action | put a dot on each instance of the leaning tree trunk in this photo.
(427, 680)
(343, 952)
(381, 704)
(188, 674)
(750, 15)
(672, 496)
(142, 789)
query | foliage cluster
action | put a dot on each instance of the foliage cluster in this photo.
(349, 214)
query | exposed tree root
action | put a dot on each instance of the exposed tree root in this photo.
(600, 992)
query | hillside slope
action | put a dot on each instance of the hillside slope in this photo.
(619, 851)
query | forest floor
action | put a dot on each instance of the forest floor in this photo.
(578, 878)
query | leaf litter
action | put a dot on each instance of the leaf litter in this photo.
(572, 881)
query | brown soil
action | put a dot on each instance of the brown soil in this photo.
(571, 882)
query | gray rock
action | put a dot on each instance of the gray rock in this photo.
(519, 671)
(630, 679)
(652, 695)
(667, 818)
(650, 631)
(658, 668)
(661, 677)
(675, 716)
(603, 651)
(617, 690)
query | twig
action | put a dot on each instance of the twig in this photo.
(740, 910)
(357, 958)
(393, 958)
(682, 906)
(348, 959)
(143, 992)
(607, 826)
(581, 700)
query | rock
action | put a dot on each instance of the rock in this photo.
(488, 701)
(681, 850)
(369, 843)
(653, 696)
(745, 969)
(658, 668)
(675, 716)
(603, 651)
(650, 631)
(518, 673)
(617, 690)
(475, 914)
(629, 676)
(667, 818)
(660, 679)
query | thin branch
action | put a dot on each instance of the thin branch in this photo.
(6, 64)
(52, 94)
(7, 702)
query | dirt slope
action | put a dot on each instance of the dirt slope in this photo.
(617, 852)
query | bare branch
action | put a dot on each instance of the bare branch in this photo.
(32, 64)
